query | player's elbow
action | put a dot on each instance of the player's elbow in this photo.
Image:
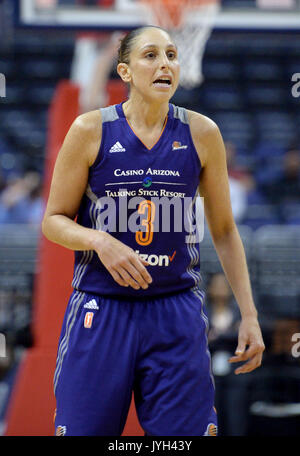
(49, 226)
(45, 226)
(221, 232)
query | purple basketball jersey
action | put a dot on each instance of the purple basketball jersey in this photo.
(145, 198)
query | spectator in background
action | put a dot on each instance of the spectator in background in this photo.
(236, 171)
(223, 327)
(286, 188)
(238, 198)
(21, 201)
(223, 315)
(34, 199)
(274, 392)
(284, 191)
(267, 400)
(240, 183)
(10, 198)
(2, 182)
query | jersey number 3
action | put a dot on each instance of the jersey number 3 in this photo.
(146, 237)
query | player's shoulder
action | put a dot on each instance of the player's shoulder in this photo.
(88, 123)
(84, 136)
(201, 124)
(205, 133)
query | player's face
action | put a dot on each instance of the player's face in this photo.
(154, 67)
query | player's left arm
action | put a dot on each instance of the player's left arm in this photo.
(214, 188)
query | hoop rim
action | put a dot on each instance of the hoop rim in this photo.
(171, 13)
(185, 2)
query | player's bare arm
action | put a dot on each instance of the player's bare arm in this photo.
(69, 182)
(214, 188)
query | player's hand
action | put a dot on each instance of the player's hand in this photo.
(250, 346)
(125, 266)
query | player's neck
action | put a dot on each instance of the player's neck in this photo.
(143, 114)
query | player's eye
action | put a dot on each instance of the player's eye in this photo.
(150, 55)
(171, 55)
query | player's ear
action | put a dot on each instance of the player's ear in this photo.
(124, 72)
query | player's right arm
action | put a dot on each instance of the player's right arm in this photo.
(69, 182)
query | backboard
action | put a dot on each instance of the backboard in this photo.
(128, 14)
(80, 14)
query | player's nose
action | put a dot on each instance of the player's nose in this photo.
(164, 61)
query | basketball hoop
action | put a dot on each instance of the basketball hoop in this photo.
(189, 22)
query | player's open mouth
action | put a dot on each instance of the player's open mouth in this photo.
(163, 82)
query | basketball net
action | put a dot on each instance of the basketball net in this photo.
(189, 23)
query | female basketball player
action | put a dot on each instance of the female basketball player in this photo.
(135, 320)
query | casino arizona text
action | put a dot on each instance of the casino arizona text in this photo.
(141, 172)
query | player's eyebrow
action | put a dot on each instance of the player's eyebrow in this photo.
(146, 46)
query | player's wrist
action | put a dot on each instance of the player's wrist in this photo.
(250, 315)
(97, 239)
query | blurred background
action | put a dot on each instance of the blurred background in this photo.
(57, 60)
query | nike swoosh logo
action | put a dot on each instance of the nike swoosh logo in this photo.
(171, 258)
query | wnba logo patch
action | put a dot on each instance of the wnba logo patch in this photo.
(88, 319)
(211, 430)
(61, 430)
